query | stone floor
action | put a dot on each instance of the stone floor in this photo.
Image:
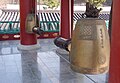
(39, 66)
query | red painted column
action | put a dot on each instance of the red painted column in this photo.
(65, 18)
(114, 72)
(26, 6)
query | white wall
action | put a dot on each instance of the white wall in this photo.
(76, 8)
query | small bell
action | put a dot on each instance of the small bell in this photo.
(32, 24)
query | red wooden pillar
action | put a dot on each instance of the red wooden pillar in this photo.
(66, 20)
(26, 7)
(114, 72)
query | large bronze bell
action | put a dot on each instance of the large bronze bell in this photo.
(90, 48)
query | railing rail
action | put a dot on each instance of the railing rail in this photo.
(11, 29)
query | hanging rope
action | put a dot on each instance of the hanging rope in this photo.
(35, 11)
(39, 13)
(37, 18)
(110, 21)
(37, 29)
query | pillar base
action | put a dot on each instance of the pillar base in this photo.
(28, 47)
(62, 51)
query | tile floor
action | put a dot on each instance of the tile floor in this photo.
(39, 66)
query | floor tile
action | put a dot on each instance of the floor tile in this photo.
(39, 66)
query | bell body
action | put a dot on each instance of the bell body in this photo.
(31, 22)
(90, 48)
